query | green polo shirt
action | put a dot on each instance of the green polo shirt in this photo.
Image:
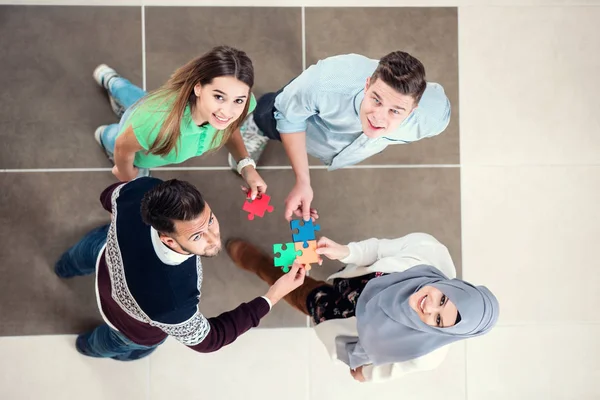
(146, 121)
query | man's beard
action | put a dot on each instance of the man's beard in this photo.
(212, 253)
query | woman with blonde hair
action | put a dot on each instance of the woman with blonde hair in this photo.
(199, 109)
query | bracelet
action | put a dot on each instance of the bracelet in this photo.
(244, 162)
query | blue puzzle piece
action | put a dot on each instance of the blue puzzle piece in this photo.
(286, 256)
(305, 233)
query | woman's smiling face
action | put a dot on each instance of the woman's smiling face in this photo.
(433, 307)
(222, 101)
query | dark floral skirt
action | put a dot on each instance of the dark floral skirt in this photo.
(337, 300)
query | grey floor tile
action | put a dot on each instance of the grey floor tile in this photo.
(42, 215)
(430, 34)
(45, 213)
(50, 105)
(225, 286)
(359, 204)
(272, 38)
(353, 205)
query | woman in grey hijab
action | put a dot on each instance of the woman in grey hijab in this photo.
(392, 309)
(405, 315)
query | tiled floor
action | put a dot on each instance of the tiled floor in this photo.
(63, 205)
(515, 199)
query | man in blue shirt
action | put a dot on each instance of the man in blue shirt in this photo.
(344, 109)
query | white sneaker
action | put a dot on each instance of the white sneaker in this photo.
(98, 137)
(102, 75)
(254, 141)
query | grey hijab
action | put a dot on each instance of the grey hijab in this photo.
(390, 331)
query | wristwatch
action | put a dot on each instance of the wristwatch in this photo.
(244, 162)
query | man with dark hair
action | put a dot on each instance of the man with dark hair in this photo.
(343, 110)
(149, 273)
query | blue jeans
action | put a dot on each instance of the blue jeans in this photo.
(126, 94)
(103, 341)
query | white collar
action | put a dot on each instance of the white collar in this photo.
(164, 253)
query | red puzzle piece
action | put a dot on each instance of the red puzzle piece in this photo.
(258, 206)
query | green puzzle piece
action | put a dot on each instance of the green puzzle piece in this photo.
(286, 256)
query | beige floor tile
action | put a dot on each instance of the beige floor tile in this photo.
(333, 380)
(260, 365)
(527, 85)
(529, 235)
(551, 362)
(49, 367)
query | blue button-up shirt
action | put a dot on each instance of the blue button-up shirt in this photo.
(324, 101)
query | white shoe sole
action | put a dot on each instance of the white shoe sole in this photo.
(98, 134)
(100, 72)
(98, 137)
